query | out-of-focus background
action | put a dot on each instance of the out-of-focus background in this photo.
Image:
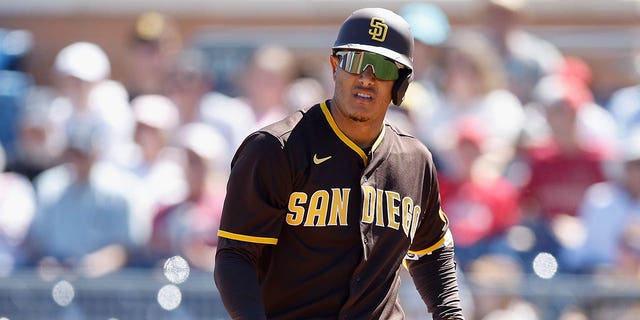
(118, 121)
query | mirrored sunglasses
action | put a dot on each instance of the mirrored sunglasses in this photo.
(355, 62)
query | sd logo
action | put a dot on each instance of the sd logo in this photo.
(378, 30)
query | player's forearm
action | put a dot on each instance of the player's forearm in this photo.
(236, 279)
(435, 279)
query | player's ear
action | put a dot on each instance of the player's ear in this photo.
(334, 64)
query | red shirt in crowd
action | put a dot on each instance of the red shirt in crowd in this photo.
(559, 179)
(478, 209)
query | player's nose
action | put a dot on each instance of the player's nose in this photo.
(368, 75)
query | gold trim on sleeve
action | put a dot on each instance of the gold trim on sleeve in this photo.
(245, 238)
(445, 241)
(428, 250)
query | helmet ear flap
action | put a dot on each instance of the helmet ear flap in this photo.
(400, 86)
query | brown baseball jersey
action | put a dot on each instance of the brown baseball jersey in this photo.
(337, 221)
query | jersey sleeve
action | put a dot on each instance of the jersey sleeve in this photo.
(257, 191)
(433, 231)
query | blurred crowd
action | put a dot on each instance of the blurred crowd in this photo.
(99, 174)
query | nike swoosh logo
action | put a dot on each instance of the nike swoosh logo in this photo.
(317, 160)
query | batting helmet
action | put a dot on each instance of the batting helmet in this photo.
(383, 32)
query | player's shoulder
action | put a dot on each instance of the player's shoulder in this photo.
(273, 136)
(282, 129)
(405, 140)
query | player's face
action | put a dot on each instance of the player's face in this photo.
(360, 97)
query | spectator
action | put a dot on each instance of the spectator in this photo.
(87, 97)
(191, 88)
(624, 106)
(82, 95)
(563, 151)
(479, 202)
(594, 125)
(560, 167)
(41, 136)
(610, 217)
(475, 87)
(15, 47)
(153, 160)
(154, 43)
(303, 91)
(17, 208)
(271, 71)
(189, 228)
(431, 30)
(82, 220)
(525, 57)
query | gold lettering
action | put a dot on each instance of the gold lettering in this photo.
(339, 207)
(407, 209)
(317, 209)
(324, 208)
(379, 208)
(367, 205)
(393, 209)
(296, 214)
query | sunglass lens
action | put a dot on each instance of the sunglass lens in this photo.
(357, 61)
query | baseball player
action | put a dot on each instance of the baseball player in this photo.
(324, 206)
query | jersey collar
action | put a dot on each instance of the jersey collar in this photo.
(345, 139)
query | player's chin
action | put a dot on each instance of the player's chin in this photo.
(359, 116)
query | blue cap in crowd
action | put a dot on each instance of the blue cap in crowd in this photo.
(428, 22)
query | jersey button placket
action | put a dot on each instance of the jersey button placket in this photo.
(355, 284)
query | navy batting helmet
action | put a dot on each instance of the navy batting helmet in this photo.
(383, 32)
